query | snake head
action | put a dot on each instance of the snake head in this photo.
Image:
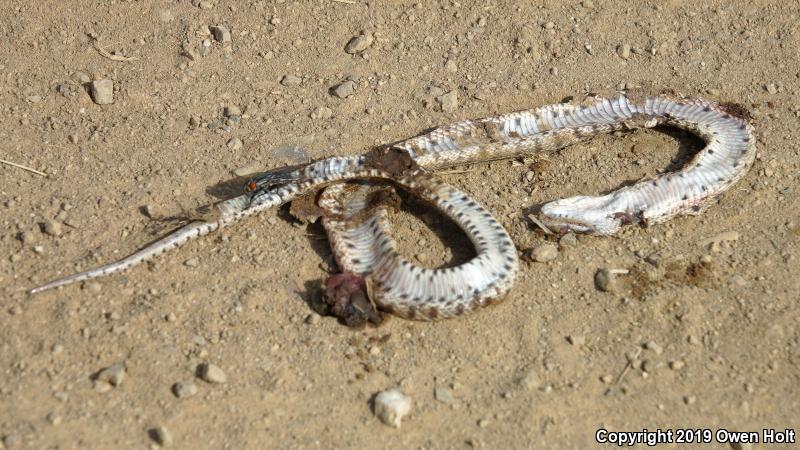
(584, 214)
(346, 294)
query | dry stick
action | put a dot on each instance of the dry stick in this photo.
(111, 56)
(23, 167)
(628, 366)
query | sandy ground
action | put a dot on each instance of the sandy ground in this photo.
(708, 334)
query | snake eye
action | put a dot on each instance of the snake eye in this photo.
(251, 186)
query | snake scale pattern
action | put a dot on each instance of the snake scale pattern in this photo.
(353, 194)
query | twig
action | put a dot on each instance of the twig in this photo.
(104, 53)
(349, 2)
(628, 366)
(23, 167)
(454, 171)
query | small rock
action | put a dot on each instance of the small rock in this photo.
(161, 436)
(713, 243)
(568, 240)
(235, 144)
(232, 111)
(359, 43)
(443, 395)
(211, 374)
(102, 91)
(676, 365)
(184, 390)
(291, 80)
(321, 113)
(544, 253)
(221, 34)
(451, 66)
(391, 406)
(576, 340)
(53, 228)
(448, 101)
(605, 281)
(771, 88)
(11, 440)
(530, 380)
(344, 89)
(689, 399)
(113, 375)
(192, 262)
(607, 378)
(313, 319)
(624, 51)
(205, 4)
(653, 346)
(54, 418)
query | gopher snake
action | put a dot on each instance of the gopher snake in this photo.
(354, 192)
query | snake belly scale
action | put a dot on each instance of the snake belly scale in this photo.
(350, 193)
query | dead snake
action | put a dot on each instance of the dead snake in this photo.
(353, 199)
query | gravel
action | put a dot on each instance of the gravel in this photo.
(544, 253)
(221, 34)
(161, 436)
(102, 91)
(53, 228)
(184, 390)
(391, 406)
(321, 113)
(344, 89)
(359, 43)
(211, 374)
(235, 144)
(291, 80)
(113, 375)
(605, 280)
(448, 101)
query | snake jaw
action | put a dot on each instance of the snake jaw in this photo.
(347, 295)
(583, 214)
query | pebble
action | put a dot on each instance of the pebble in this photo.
(221, 34)
(530, 380)
(232, 111)
(184, 390)
(53, 228)
(113, 375)
(313, 319)
(448, 101)
(102, 91)
(54, 418)
(205, 4)
(653, 346)
(568, 240)
(192, 262)
(321, 113)
(291, 80)
(11, 440)
(544, 253)
(713, 243)
(235, 144)
(576, 340)
(771, 88)
(676, 365)
(161, 436)
(605, 281)
(443, 395)
(359, 43)
(624, 51)
(391, 406)
(344, 89)
(212, 374)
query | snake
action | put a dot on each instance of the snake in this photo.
(353, 195)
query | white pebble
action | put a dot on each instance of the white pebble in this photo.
(391, 406)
